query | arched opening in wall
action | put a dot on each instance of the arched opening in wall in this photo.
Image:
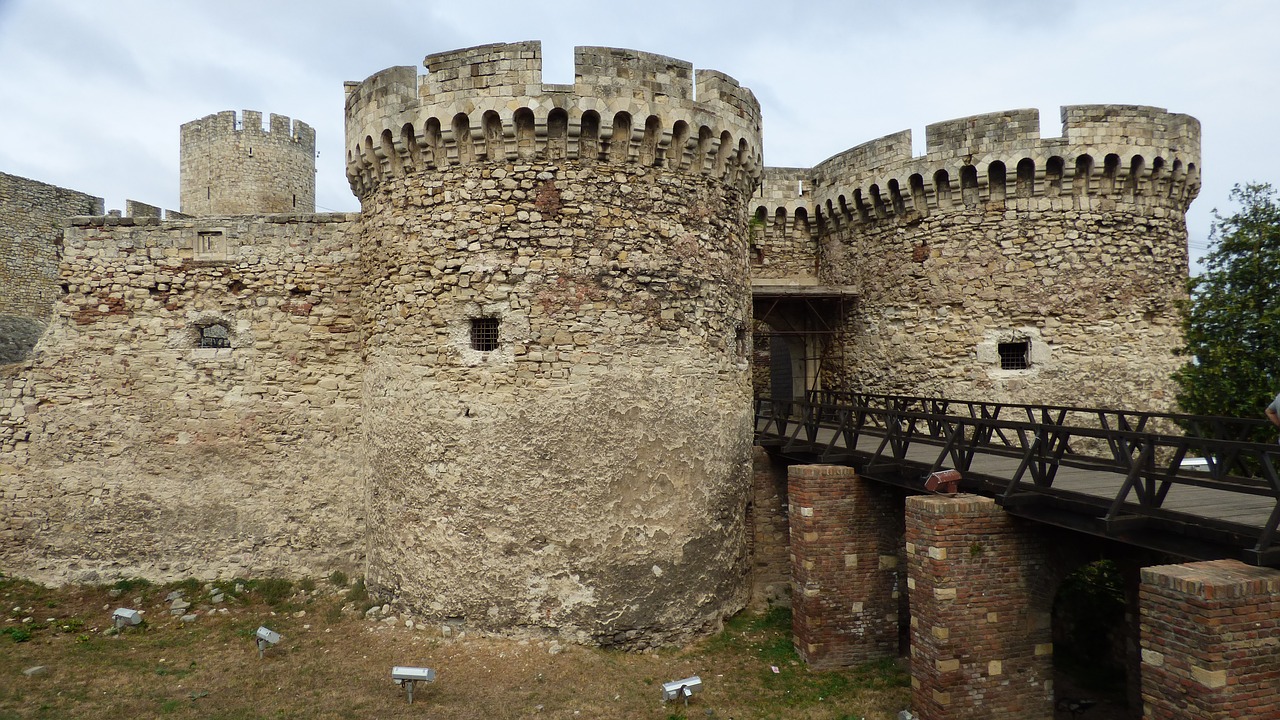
(390, 158)
(722, 155)
(1084, 175)
(1176, 179)
(1158, 177)
(969, 185)
(802, 221)
(780, 221)
(370, 159)
(493, 144)
(895, 199)
(431, 142)
(864, 213)
(942, 188)
(845, 213)
(1089, 641)
(918, 200)
(1053, 176)
(831, 213)
(620, 138)
(1134, 183)
(1193, 180)
(589, 138)
(997, 179)
(526, 137)
(705, 141)
(409, 141)
(877, 202)
(758, 227)
(677, 150)
(462, 138)
(1110, 168)
(649, 144)
(741, 159)
(1026, 186)
(557, 134)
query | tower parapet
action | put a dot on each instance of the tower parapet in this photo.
(489, 103)
(234, 168)
(1131, 154)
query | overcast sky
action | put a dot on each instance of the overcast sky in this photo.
(93, 92)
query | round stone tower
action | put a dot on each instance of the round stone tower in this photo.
(229, 168)
(1008, 267)
(557, 392)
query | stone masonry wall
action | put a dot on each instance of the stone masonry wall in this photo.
(768, 542)
(128, 449)
(1093, 292)
(589, 475)
(584, 470)
(230, 168)
(981, 601)
(1210, 641)
(1074, 247)
(31, 219)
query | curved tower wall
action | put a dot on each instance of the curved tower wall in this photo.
(229, 168)
(1074, 247)
(588, 475)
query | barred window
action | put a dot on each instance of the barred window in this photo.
(1015, 355)
(215, 336)
(484, 334)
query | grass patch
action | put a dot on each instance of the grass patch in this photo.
(334, 664)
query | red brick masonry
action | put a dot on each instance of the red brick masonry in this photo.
(981, 641)
(844, 560)
(1210, 641)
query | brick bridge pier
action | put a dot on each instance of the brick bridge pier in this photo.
(980, 587)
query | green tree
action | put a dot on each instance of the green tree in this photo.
(1231, 322)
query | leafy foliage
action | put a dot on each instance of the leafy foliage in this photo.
(1231, 323)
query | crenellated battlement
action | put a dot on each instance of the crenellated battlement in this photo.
(249, 123)
(234, 167)
(1144, 156)
(489, 104)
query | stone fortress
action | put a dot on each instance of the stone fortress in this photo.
(515, 390)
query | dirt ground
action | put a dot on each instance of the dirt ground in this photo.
(334, 662)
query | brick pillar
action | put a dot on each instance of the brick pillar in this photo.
(769, 533)
(981, 601)
(844, 540)
(1210, 641)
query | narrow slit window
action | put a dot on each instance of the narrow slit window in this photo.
(484, 334)
(215, 336)
(1015, 355)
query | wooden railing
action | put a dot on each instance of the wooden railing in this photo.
(1144, 456)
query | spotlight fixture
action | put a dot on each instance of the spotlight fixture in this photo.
(683, 689)
(125, 617)
(406, 676)
(265, 637)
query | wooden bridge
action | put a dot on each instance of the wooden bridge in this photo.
(1191, 486)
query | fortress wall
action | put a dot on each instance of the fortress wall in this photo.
(586, 474)
(134, 451)
(783, 242)
(231, 168)
(31, 216)
(1075, 245)
(588, 477)
(1093, 291)
(488, 103)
